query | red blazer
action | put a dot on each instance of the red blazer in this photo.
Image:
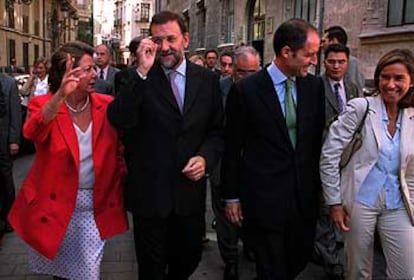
(43, 208)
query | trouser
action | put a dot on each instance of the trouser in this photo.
(167, 248)
(396, 235)
(227, 233)
(281, 253)
(328, 246)
(7, 191)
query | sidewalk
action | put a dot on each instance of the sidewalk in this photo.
(119, 258)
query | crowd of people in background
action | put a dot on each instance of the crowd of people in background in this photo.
(266, 136)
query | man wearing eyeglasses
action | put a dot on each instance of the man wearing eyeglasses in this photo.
(338, 90)
(337, 35)
(246, 61)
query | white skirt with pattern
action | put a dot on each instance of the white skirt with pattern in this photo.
(81, 252)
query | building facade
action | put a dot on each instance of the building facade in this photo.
(130, 18)
(373, 26)
(33, 28)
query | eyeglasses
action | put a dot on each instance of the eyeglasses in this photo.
(336, 61)
(243, 72)
(159, 39)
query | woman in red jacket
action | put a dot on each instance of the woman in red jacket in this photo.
(71, 200)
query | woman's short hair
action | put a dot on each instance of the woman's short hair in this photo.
(77, 50)
(41, 60)
(405, 57)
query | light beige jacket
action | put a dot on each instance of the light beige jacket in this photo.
(342, 186)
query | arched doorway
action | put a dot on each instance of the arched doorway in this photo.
(256, 27)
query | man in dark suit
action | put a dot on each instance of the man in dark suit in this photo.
(246, 62)
(338, 90)
(175, 108)
(211, 57)
(274, 124)
(106, 72)
(10, 125)
(13, 69)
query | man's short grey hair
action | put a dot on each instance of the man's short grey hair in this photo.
(244, 50)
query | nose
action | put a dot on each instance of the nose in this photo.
(164, 45)
(314, 59)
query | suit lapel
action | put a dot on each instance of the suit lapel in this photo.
(68, 133)
(375, 108)
(191, 86)
(350, 92)
(97, 118)
(162, 86)
(330, 96)
(407, 128)
(269, 97)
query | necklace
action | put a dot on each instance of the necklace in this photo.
(81, 109)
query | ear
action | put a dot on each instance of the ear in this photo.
(186, 36)
(285, 52)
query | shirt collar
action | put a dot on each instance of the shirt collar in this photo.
(276, 75)
(385, 116)
(181, 69)
(332, 82)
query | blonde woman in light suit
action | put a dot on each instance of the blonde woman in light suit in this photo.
(376, 188)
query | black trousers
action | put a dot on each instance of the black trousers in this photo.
(284, 252)
(167, 248)
(7, 191)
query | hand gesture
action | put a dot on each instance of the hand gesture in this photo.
(146, 53)
(71, 77)
(340, 217)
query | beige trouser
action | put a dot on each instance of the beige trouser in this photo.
(397, 239)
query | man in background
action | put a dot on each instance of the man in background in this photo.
(10, 129)
(106, 73)
(226, 64)
(246, 62)
(211, 57)
(337, 35)
(338, 90)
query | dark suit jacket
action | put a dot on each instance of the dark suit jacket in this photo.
(260, 165)
(164, 139)
(331, 104)
(10, 123)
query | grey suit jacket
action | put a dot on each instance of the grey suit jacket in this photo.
(11, 122)
(331, 104)
(110, 76)
(107, 86)
(102, 86)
